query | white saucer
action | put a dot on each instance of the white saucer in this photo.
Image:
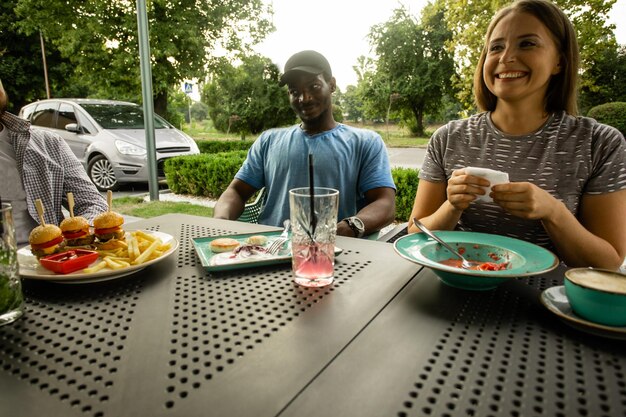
(555, 300)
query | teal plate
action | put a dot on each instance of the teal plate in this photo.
(212, 261)
(525, 259)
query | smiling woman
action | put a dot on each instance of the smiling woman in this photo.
(567, 190)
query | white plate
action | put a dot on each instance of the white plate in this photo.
(555, 300)
(31, 268)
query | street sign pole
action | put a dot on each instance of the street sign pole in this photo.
(146, 90)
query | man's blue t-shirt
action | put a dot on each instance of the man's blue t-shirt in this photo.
(345, 158)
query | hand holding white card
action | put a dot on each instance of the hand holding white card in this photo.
(491, 175)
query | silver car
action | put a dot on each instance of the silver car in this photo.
(108, 137)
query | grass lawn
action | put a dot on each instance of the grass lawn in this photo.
(137, 207)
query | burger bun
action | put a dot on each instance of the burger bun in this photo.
(107, 220)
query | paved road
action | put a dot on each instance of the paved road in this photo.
(406, 157)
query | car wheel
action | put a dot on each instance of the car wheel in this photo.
(101, 173)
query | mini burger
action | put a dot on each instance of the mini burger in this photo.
(46, 240)
(108, 230)
(76, 231)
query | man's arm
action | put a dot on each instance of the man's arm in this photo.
(378, 213)
(231, 203)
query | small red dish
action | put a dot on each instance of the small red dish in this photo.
(70, 261)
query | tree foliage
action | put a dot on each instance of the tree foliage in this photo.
(21, 64)
(247, 98)
(413, 69)
(606, 79)
(100, 39)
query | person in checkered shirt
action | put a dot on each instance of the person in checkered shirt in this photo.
(40, 165)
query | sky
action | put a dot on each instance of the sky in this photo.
(338, 30)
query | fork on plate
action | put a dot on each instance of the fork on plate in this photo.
(277, 244)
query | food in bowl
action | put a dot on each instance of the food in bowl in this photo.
(597, 295)
(521, 258)
(476, 265)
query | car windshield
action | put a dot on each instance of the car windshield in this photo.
(119, 116)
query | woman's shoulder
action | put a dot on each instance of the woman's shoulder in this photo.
(590, 126)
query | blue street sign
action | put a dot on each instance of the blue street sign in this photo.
(188, 88)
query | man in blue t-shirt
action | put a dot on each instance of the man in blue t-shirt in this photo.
(353, 161)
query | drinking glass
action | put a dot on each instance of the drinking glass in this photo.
(313, 235)
(11, 298)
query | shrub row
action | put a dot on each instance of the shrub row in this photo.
(215, 146)
(205, 175)
(208, 175)
(612, 114)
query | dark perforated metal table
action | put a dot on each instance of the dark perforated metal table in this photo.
(174, 340)
(386, 339)
(442, 352)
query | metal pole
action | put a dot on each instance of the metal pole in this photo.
(146, 90)
(45, 66)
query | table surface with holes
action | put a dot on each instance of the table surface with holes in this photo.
(175, 340)
(388, 338)
(440, 351)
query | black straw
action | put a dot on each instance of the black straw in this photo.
(311, 194)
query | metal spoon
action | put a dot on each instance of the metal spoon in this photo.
(465, 264)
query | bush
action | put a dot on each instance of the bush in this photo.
(205, 175)
(612, 114)
(209, 174)
(406, 180)
(215, 146)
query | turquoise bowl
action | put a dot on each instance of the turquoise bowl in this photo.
(524, 258)
(597, 295)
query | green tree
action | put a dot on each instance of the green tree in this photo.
(247, 98)
(100, 39)
(352, 104)
(468, 21)
(608, 81)
(413, 70)
(21, 66)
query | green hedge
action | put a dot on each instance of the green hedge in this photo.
(612, 114)
(208, 175)
(215, 146)
(406, 180)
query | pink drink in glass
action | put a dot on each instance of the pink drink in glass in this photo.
(313, 263)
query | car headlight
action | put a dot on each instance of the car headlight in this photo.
(129, 149)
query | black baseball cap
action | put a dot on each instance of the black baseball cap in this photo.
(311, 62)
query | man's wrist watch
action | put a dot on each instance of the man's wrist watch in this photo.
(356, 225)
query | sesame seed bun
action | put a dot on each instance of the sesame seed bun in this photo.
(43, 234)
(107, 220)
(72, 224)
(46, 240)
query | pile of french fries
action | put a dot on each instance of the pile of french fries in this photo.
(141, 247)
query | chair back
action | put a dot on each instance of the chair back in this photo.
(252, 210)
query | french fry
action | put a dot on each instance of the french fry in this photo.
(113, 264)
(140, 247)
(145, 235)
(144, 255)
(97, 267)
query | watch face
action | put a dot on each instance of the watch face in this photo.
(358, 223)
